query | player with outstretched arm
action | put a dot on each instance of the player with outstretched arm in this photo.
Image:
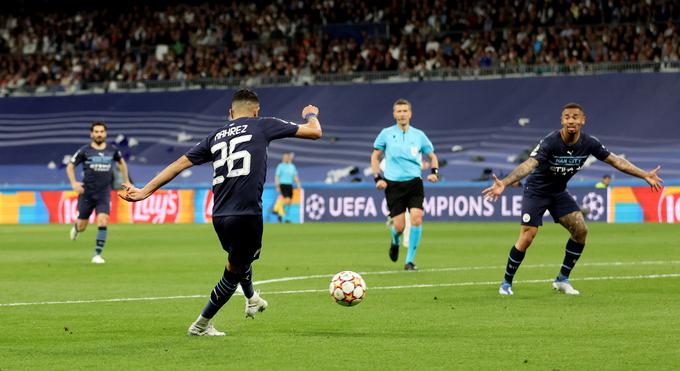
(556, 158)
(238, 152)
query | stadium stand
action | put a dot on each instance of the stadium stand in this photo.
(291, 41)
(48, 48)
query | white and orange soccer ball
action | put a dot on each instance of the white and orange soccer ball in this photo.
(348, 288)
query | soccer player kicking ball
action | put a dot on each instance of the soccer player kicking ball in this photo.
(556, 158)
(238, 152)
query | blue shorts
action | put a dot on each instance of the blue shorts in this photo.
(534, 206)
(98, 201)
(240, 236)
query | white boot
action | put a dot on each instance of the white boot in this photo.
(254, 305)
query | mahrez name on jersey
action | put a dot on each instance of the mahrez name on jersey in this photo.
(236, 130)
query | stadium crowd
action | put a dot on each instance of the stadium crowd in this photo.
(71, 49)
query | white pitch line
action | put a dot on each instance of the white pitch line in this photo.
(487, 283)
(460, 269)
(103, 300)
(422, 285)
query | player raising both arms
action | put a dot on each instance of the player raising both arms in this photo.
(238, 152)
(556, 158)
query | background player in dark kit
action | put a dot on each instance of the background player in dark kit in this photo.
(556, 158)
(94, 193)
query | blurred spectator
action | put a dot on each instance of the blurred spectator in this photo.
(71, 50)
(604, 183)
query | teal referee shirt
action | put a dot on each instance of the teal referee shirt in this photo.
(403, 152)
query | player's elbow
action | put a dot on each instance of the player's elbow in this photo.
(311, 133)
(316, 134)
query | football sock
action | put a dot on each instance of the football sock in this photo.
(286, 210)
(220, 294)
(413, 241)
(202, 322)
(514, 260)
(247, 283)
(396, 237)
(572, 253)
(101, 240)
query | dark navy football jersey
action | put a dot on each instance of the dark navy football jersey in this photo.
(238, 152)
(558, 162)
(97, 166)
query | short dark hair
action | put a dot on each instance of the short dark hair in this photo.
(606, 176)
(573, 105)
(245, 96)
(402, 101)
(97, 123)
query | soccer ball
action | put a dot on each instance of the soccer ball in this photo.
(348, 288)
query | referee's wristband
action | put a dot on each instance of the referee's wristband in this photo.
(378, 178)
(434, 171)
(309, 116)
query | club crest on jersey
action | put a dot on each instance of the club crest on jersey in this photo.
(414, 151)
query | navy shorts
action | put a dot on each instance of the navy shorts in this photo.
(286, 190)
(99, 201)
(240, 236)
(534, 206)
(404, 195)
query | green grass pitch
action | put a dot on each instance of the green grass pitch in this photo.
(446, 316)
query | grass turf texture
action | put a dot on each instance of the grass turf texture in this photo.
(463, 323)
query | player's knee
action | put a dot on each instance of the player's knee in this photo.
(527, 238)
(102, 220)
(416, 220)
(580, 234)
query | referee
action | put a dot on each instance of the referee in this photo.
(286, 174)
(403, 147)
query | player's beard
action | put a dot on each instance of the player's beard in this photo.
(99, 140)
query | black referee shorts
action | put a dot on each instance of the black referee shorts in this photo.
(404, 195)
(286, 190)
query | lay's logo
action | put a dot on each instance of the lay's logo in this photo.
(160, 207)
